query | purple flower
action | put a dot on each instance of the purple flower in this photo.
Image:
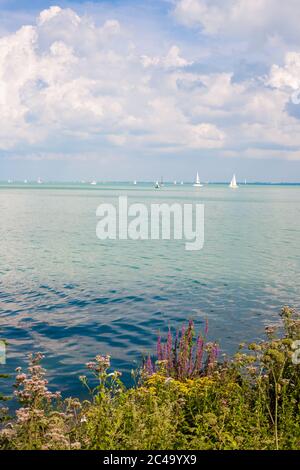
(159, 349)
(183, 356)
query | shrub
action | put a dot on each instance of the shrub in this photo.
(251, 401)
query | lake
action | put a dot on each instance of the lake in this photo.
(70, 295)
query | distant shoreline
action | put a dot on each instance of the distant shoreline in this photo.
(167, 183)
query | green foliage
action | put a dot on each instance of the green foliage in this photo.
(251, 401)
(3, 409)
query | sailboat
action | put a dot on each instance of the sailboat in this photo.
(157, 186)
(233, 183)
(93, 183)
(134, 182)
(197, 183)
(39, 181)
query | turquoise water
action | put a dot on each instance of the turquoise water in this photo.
(70, 295)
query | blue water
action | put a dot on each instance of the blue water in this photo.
(72, 296)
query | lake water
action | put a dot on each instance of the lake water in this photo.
(72, 296)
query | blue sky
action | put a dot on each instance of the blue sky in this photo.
(134, 90)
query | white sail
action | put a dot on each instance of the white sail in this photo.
(197, 184)
(157, 186)
(233, 183)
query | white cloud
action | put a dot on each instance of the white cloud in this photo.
(198, 12)
(68, 77)
(173, 59)
(47, 15)
(287, 76)
(241, 18)
(266, 154)
(67, 81)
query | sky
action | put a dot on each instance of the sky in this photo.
(136, 90)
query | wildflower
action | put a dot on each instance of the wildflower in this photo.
(103, 362)
(149, 369)
(159, 349)
(254, 347)
(169, 379)
(100, 364)
(199, 353)
(23, 415)
(115, 374)
(285, 381)
(21, 377)
(36, 358)
(211, 419)
(169, 348)
(73, 403)
(182, 357)
(57, 440)
(270, 331)
(75, 446)
(213, 351)
(91, 365)
(8, 433)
